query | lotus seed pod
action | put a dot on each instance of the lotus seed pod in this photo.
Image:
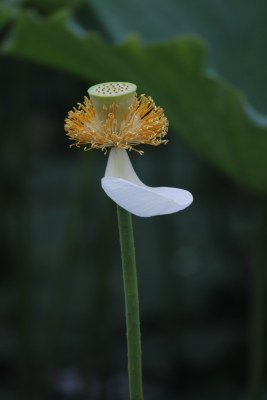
(106, 94)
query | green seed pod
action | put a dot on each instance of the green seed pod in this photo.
(104, 95)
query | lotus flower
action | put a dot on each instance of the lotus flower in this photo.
(115, 118)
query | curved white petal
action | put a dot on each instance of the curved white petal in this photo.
(145, 201)
(124, 187)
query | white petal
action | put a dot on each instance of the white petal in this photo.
(145, 201)
(120, 166)
(124, 187)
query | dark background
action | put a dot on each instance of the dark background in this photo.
(201, 272)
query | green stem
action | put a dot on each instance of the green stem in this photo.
(258, 315)
(131, 303)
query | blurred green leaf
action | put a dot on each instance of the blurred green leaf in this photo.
(49, 6)
(236, 31)
(209, 114)
(7, 14)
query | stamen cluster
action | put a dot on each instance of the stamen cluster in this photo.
(142, 123)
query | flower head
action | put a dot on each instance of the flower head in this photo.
(114, 117)
(100, 124)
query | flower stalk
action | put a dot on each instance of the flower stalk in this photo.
(131, 303)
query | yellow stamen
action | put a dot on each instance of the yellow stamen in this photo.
(142, 123)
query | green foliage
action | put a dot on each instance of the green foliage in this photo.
(210, 115)
(236, 31)
(7, 14)
(49, 6)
